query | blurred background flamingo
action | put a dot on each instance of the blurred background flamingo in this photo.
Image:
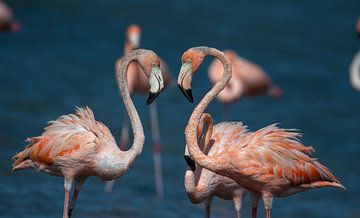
(270, 162)
(137, 83)
(355, 64)
(7, 22)
(201, 185)
(76, 146)
(248, 80)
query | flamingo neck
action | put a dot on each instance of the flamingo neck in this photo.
(138, 132)
(190, 131)
(355, 71)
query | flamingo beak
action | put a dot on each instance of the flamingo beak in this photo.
(184, 81)
(156, 83)
(190, 162)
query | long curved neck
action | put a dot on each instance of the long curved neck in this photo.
(190, 131)
(355, 71)
(127, 48)
(136, 125)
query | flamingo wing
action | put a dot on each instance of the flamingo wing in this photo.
(272, 152)
(63, 137)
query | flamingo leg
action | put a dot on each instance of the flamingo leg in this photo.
(268, 199)
(268, 213)
(67, 186)
(109, 185)
(156, 151)
(207, 207)
(79, 183)
(237, 199)
(254, 198)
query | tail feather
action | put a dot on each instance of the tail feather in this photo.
(21, 160)
(320, 184)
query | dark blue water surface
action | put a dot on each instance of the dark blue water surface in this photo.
(63, 57)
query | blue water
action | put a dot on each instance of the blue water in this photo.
(63, 57)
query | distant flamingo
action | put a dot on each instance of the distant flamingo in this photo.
(248, 79)
(355, 71)
(202, 184)
(355, 64)
(137, 83)
(270, 162)
(77, 146)
(7, 22)
(357, 27)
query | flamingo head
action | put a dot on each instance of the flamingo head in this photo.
(133, 35)
(191, 61)
(150, 64)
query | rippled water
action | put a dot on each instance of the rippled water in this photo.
(64, 57)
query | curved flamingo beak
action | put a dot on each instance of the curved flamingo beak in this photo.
(190, 162)
(156, 83)
(184, 81)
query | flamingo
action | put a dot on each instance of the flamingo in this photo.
(270, 162)
(202, 184)
(355, 64)
(138, 85)
(76, 146)
(248, 80)
(355, 71)
(7, 23)
(357, 27)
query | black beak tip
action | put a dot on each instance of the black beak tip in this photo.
(187, 93)
(190, 162)
(358, 35)
(152, 97)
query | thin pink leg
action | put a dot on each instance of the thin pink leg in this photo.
(267, 213)
(78, 186)
(254, 212)
(67, 185)
(156, 151)
(207, 207)
(254, 199)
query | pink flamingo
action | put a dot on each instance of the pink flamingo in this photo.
(355, 64)
(270, 162)
(137, 83)
(202, 184)
(357, 27)
(248, 80)
(355, 71)
(7, 22)
(77, 146)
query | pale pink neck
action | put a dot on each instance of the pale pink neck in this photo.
(136, 125)
(127, 48)
(190, 131)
